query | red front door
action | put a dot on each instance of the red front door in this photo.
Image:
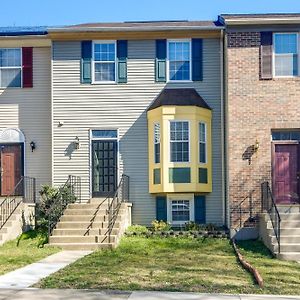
(286, 173)
(11, 167)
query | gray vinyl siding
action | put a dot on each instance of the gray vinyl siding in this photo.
(29, 109)
(86, 106)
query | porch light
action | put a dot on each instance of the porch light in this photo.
(76, 143)
(32, 146)
(256, 146)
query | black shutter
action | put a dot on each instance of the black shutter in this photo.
(266, 55)
(197, 59)
(161, 208)
(86, 62)
(161, 61)
(122, 54)
(200, 211)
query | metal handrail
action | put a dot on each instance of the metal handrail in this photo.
(24, 191)
(269, 205)
(114, 202)
(58, 207)
(240, 210)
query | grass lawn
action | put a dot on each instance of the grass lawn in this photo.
(23, 251)
(173, 264)
(280, 277)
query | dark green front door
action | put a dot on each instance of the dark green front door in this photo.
(104, 167)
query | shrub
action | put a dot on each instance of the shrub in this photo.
(160, 225)
(139, 229)
(191, 226)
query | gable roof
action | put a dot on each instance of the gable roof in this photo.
(260, 19)
(23, 30)
(180, 97)
(141, 26)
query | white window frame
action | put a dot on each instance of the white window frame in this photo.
(94, 62)
(189, 142)
(274, 54)
(205, 142)
(168, 60)
(155, 143)
(5, 68)
(186, 197)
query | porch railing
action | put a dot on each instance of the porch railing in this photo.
(113, 206)
(69, 192)
(269, 205)
(24, 191)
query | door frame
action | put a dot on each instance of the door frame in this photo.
(91, 139)
(22, 144)
(283, 142)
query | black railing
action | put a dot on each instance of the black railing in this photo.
(244, 212)
(24, 191)
(269, 205)
(113, 206)
(69, 192)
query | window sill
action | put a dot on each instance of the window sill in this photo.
(179, 81)
(104, 82)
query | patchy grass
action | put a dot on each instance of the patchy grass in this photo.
(280, 277)
(172, 264)
(23, 251)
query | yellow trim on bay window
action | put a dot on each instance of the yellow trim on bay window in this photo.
(194, 115)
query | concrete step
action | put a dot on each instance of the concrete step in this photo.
(87, 212)
(288, 208)
(99, 200)
(289, 248)
(80, 218)
(289, 256)
(286, 224)
(290, 217)
(82, 246)
(72, 231)
(287, 239)
(84, 225)
(285, 231)
(3, 230)
(88, 206)
(81, 239)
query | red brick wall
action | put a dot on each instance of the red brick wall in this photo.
(255, 107)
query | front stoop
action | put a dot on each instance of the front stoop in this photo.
(289, 233)
(73, 231)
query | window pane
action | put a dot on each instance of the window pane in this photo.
(10, 77)
(181, 210)
(285, 43)
(179, 60)
(104, 133)
(104, 52)
(286, 65)
(104, 72)
(202, 150)
(10, 57)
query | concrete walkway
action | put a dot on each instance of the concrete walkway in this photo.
(51, 294)
(31, 274)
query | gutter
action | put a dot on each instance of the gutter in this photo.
(133, 28)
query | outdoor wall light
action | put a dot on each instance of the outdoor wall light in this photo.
(76, 143)
(32, 146)
(256, 146)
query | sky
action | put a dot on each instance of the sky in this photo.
(67, 12)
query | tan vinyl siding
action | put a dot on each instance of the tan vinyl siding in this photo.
(84, 106)
(29, 109)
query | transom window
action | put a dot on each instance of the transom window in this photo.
(157, 143)
(10, 67)
(179, 141)
(179, 54)
(202, 142)
(180, 211)
(286, 54)
(104, 54)
(285, 135)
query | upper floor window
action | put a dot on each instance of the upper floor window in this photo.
(104, 54)
(202, 142)
(179, 59)
(157, 143)
(285, 54)
(179, 141)
(10, 67)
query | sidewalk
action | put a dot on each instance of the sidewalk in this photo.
(33, 273)
(50, 294)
